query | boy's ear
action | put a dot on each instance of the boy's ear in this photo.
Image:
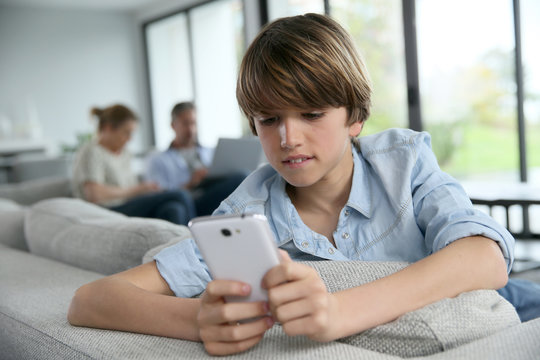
(356, 128)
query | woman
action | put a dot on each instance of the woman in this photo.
(102, 173)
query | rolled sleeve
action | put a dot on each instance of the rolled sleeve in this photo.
(443, 210)
(183, 269)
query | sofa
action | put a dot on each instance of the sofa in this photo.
(51, 244)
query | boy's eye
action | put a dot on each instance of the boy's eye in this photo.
(268, 121)
(312, 115)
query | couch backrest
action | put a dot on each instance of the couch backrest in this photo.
(93, 238)
(30, 192)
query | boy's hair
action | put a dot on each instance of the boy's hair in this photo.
(303, 62)
(180, 108)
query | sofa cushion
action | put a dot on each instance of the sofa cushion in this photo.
(93, 238)
(12, 224)
(440, 326)
(36, 293)
(30, 192)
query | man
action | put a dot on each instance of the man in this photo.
(185, 164)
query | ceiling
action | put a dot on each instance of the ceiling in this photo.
(119, 5)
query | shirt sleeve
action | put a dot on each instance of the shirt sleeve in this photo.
(443, 210)
(184, 270)
(90, 166)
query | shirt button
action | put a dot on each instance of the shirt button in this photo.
(347, 212)
(305, 244)
(345, 235)
(331, 250)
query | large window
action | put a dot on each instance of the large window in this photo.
(282, 8)
(377, 29)
(465, 59)
(467, 86)
(462, 70)
(194, 56)
(530, 13)
(169, 64)
(217, 38)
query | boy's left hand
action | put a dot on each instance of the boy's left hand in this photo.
(299, 300)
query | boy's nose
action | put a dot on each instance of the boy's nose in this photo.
(290, 133)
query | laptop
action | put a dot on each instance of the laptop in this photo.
(236, 155)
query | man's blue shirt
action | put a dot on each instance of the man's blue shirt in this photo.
(170, 170)
(401, 207)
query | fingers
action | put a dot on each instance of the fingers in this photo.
(228, 348)
(287, 271)
(237, 331)
(314, 316)
(217, 289)
(220, 339)
(218, 322)
(231, 313)
(284, 255)
(294, 310)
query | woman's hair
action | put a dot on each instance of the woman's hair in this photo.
(114, 116)
(303, 62)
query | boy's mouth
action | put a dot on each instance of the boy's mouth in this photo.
(297, 160)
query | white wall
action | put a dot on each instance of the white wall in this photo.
(55, 64)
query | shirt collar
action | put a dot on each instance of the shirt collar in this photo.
(360, 196)
(280, 212)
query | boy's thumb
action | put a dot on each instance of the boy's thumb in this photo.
(284, 255)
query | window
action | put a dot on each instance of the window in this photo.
(530, 10)
(467, 86)
(466, 70)
(217, 38)
(377, 29)
(169, 66)
(282, 8)
(194, 56)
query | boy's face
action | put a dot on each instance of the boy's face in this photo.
(308, 147)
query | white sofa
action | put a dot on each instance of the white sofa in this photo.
(49, 249)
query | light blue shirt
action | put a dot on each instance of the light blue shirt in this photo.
(401, 207)
(170, 170)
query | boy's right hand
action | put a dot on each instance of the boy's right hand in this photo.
(219, 323)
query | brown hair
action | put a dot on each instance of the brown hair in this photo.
(307, 62)
(114, 116)
(180, 108)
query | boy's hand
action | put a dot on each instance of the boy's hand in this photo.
(218, 322)
(299, 300)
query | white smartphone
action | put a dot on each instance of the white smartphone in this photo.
(237, 247)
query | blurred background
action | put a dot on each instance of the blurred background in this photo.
(464, 70)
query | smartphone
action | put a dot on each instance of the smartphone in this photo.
(237, 247)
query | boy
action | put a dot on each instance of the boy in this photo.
(306, 94)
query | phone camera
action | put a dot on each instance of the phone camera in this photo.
(226, 232)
